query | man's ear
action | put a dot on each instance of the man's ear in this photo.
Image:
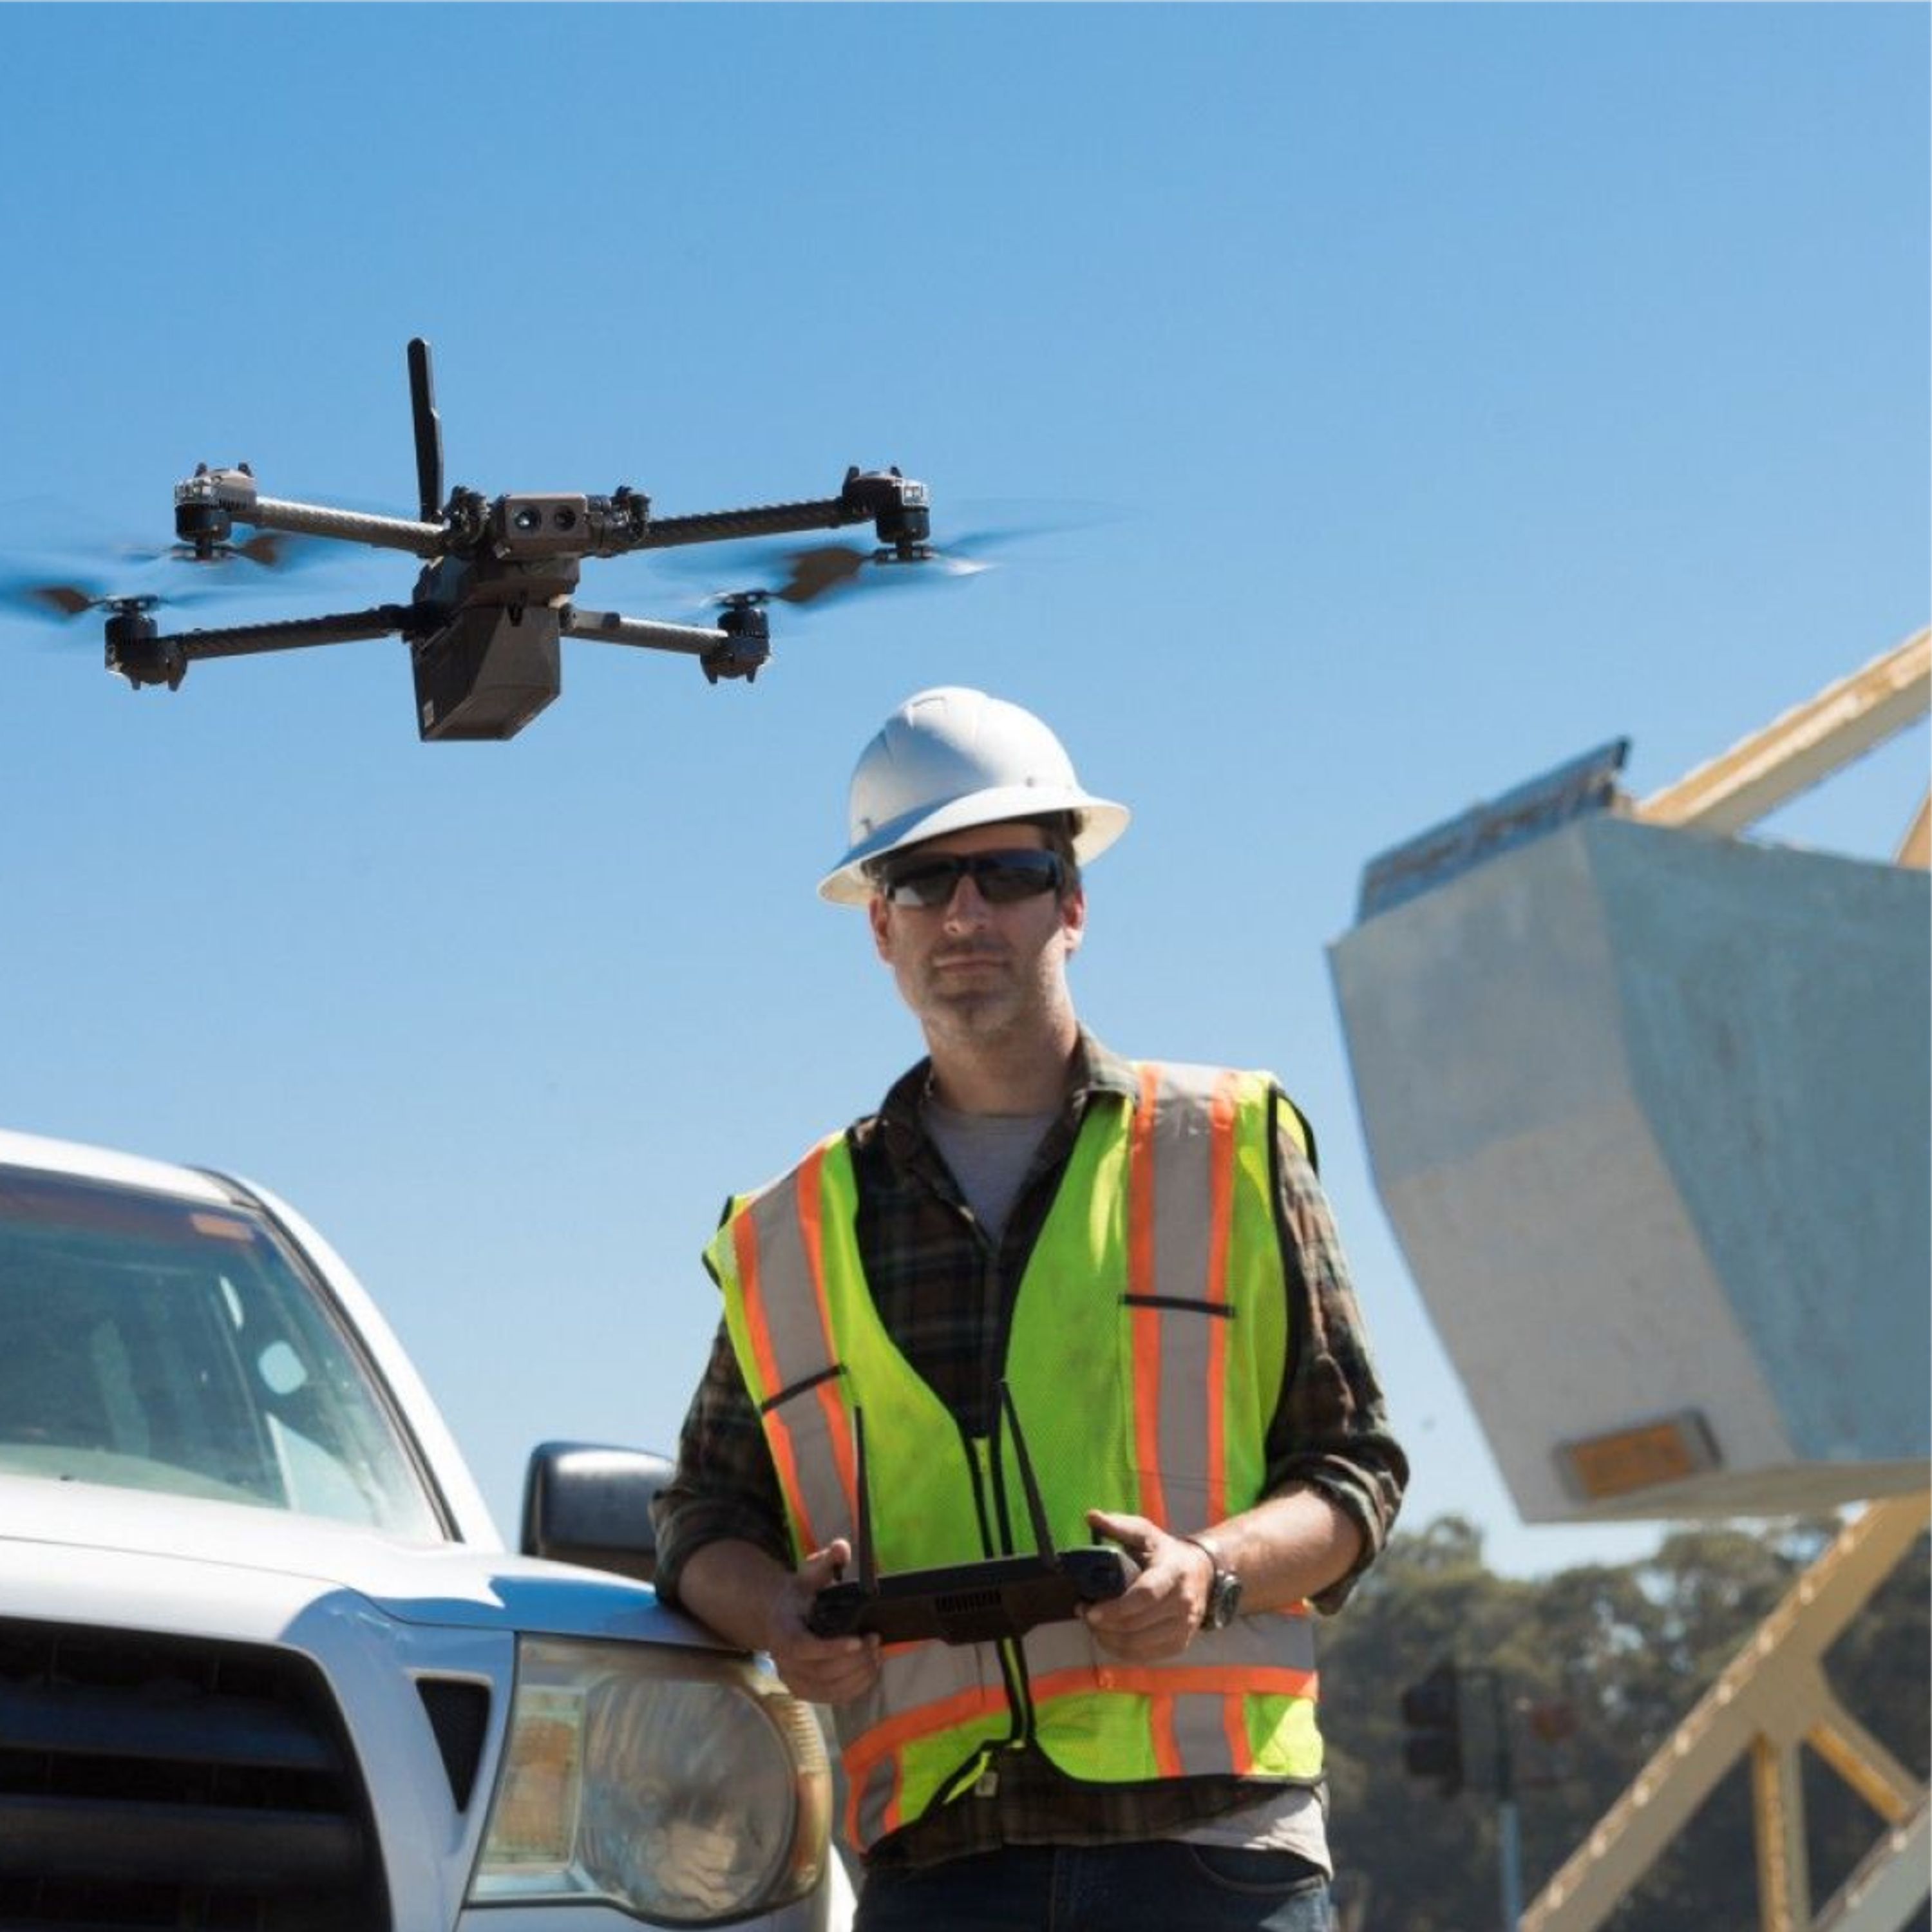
(1073, 917)
(879, 916)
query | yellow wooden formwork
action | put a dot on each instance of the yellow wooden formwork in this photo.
(1771, 1700)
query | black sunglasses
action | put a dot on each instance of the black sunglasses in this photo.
(1001, 876)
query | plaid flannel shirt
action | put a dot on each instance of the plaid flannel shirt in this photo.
(946, 1295)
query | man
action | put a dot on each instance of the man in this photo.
(1143, 1255)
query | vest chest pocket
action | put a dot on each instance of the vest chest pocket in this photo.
(1177, 1353)
(807, 1429)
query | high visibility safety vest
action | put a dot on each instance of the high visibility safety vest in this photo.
(1145, 1356)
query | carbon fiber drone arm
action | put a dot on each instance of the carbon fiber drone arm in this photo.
(319, 520)
(607, 627)
(739, 647)
(431, 540)
(770, 520)
(143, 655)
(207, 502)
(294, 633)
(896, 504)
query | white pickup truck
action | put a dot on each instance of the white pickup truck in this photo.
(264, 1661)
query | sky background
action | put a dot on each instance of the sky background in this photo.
(1428, 395)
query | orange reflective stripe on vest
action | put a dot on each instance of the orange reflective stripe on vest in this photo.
(1198, 1713)
(1180, 1183)
(795, 1354)
(872, 1760)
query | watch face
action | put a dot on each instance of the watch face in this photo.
(1224, 1599)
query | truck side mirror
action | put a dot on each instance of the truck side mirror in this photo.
(587, 1503)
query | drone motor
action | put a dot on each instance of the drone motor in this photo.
(900, 510)
(748, 639)
(136, 648)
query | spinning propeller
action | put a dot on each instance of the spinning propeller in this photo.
(813, 576)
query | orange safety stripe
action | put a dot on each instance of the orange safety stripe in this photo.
(1220, 1216)
(921, 1720)
(1234, 1722)
(889, 1818)
(1141, 1281)
(784, 1457)
(1160, 1724)
(1222, 1680)
(837, 1426)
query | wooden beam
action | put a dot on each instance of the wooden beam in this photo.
(1767, 1678)
(1888, 1885)
(1811, 741)
(1915, 847)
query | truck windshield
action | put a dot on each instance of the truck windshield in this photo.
(155, 1343)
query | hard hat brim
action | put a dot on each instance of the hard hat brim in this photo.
(1101, 822)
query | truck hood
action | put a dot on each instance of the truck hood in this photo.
(64, 1524)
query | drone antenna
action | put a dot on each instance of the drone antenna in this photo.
(429, 432)
(868, 1565)
(1042, 1533)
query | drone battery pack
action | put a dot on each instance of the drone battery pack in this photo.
(973, 1602)
(487, 673)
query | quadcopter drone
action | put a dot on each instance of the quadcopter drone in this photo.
(494, 596)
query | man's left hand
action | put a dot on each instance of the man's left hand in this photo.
(1159, 1612)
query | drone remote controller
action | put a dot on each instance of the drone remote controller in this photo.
(973, 1603)
(970, 1602)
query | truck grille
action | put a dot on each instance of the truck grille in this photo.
(149, 1781)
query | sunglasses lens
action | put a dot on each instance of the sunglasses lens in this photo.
(1001, 876)
(930, 885)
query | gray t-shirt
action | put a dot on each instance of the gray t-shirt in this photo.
(989, 1154)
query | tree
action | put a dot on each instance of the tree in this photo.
(1627, 1650)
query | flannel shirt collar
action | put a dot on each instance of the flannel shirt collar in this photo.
(1095, 1070)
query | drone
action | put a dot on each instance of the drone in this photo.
(494, 597)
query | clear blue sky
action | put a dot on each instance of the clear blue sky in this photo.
(1474, 384)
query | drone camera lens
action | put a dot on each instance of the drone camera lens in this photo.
(528, 521)
(565, 519)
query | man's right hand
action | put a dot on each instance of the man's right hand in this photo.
(749, 1597)
(821, 1670)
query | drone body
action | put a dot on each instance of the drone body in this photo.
(494, 597)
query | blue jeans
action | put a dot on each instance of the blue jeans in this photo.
(1161, 1885)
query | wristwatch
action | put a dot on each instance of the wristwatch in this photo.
(1224, 1593)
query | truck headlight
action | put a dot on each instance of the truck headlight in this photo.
(681, 1788)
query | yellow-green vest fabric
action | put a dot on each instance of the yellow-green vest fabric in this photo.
(1145, 1357)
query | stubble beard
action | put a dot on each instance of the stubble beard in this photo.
(999, 1006)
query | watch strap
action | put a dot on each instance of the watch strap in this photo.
(1209, 1548)
(1219, 1581)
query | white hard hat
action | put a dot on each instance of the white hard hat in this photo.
(950, 758)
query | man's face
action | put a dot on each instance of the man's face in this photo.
(973, 971)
